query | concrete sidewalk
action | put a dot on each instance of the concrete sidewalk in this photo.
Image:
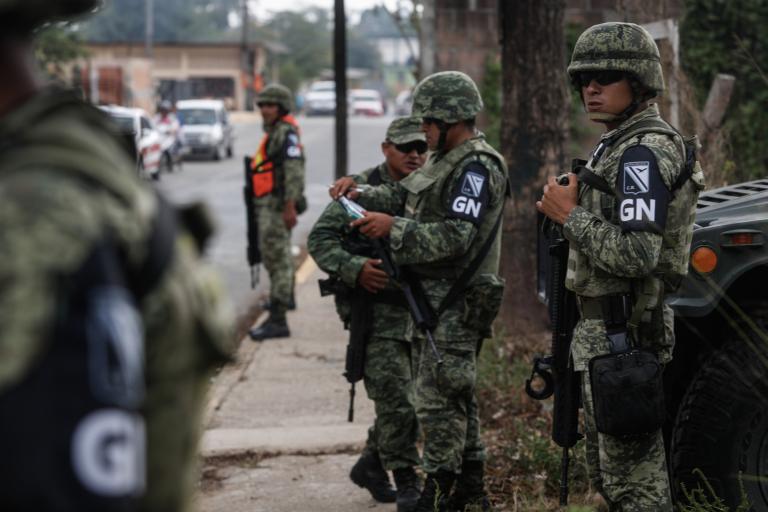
(277, 437)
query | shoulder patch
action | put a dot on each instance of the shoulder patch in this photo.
(293, 148)
(469, 200)
(644, 196)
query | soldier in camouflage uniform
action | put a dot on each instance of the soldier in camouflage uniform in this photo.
(279, 187)
(452, 207)
(348, 256)
(629, 243)
(109, 323)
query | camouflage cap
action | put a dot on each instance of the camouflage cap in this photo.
(277, 94)
(450, 96)
(619, 47)
(404, 130)
(22, 16)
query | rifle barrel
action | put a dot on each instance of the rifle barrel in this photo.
(564, 478)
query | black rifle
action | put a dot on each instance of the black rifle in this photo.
(556, 369)
(422, 313)
(253, 251)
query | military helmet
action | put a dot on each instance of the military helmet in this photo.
(618, 47)
(277, 94)
(404, 130)
(21, 16)
(450, 96)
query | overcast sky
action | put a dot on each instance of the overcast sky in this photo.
(263, 7)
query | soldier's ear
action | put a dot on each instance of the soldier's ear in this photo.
(384, 147)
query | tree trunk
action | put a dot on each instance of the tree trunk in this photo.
(533, 140)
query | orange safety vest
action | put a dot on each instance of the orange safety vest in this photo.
(263, 168)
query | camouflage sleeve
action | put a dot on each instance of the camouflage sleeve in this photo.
(388, 198)
(325, 245)
(39, 245)
(626, 254)
(293, 167)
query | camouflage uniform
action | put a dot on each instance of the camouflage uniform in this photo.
(437, 237)
(284, 150)
(618, 248)
(72, 211)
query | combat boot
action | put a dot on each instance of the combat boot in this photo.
(408, 489)
(369, 474)
(271, 328)
(469, 493)
(437, 488)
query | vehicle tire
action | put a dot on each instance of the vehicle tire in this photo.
(217, 153)
(722, 423)
(230, 152)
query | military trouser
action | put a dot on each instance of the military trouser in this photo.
(630, 474)
(275, 245)
(389, 383)
(446, 406)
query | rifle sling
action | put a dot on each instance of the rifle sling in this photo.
(460, 285)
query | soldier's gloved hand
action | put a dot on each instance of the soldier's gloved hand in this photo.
(371, 277)
(374, 224)
(343, 186)
(558, 200)
(290, 217)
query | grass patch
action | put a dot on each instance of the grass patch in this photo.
(523, 468)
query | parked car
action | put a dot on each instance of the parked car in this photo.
(147, 138)
(366, 102)
(205, 128)
(404, 103)
(320, 98)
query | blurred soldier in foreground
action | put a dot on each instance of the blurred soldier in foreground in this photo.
(628, 214)
(109, 324)
(368, 302)
(278, 186)
(449, 237)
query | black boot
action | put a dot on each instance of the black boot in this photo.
(470, 489)
(369, 473)
(271, 328)
(408, 489)
(437, 488)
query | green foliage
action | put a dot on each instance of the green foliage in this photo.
(719, 36)
(490, 90)
(704, 499)
(175, 20)
(55, 45)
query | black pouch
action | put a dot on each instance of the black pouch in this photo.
(628, 393)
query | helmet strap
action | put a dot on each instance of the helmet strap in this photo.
(443, 127)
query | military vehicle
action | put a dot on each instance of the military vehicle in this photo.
(717, 384)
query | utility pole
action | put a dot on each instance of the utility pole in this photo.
(246, 54)
(427, 39)
(149, 27)
(340, 71)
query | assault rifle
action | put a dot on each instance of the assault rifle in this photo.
(556, 369)
(421, 311)
(253, 252)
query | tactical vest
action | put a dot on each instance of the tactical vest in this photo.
(428, 201)
(77, 441)
(673, 258)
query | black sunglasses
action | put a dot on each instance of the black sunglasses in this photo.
(601, 77)
(419, 145)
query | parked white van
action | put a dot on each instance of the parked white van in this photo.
(205, 128)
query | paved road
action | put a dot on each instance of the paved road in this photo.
(219, 185)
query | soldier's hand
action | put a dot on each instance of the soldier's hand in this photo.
(290, 218)
(343, 187)
(371, 277)
(558, 200)
(374, 224)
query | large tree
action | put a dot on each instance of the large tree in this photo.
(533, 137)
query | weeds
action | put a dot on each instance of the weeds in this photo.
(704, 499)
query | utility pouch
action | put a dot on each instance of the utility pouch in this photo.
(263, 182)
(628, 393)
(482, 302)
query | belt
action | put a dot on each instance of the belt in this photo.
(612, 309)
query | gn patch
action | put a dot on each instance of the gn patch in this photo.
(470, 198)
(643, 196)
(292, 146)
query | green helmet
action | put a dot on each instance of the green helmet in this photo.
(619, 47)
(277, 94)
(450, 96)
(22, 16)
